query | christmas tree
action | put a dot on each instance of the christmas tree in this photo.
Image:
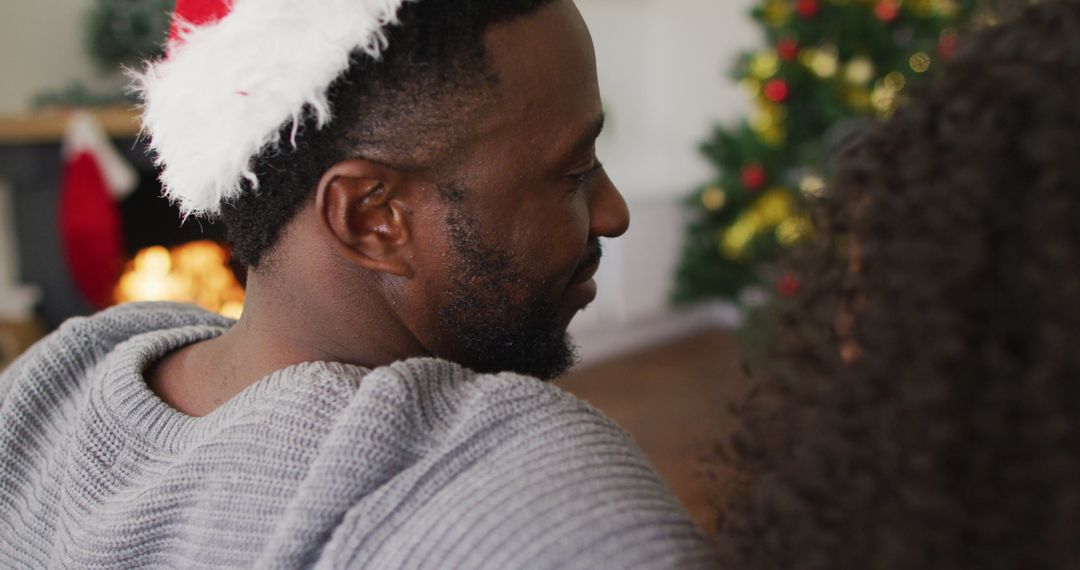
(830, 68)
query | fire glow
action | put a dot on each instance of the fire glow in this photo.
(196, 272)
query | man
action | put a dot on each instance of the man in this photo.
(414, 216)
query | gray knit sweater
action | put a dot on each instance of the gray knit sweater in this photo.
(421, 464)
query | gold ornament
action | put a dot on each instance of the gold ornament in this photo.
(774, 137)
(920, 62)
(932, 8)
(947, 8)
(859, 70)
(765, 64)
(922, 8)
(767, 122)
(822, 61)
(793, 230)
(774, 206)
(734, 240)
(766, 116)
(766, 213)
(777, 12)
(751, 86)
(713, 198)
(859, 98)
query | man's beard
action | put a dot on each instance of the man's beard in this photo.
(503, 321)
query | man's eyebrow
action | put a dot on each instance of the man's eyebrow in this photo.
(589, 138)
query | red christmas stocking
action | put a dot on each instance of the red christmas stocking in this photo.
(91, 229)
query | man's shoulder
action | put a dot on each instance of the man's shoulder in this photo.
(121, 322)
(453, 397)
(80, 342)
(521, 474)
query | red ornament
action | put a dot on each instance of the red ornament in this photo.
(807, 8)
(787, 49)
(947, 46)
(753, 176)
(788, 286)
(776, 91)
(887, 10)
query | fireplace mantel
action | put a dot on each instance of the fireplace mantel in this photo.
(45, 127)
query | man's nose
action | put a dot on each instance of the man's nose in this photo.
(610, 217)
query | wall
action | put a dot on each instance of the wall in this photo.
(41, 48)
(663, 68)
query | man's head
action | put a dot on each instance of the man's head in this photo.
(456, 191)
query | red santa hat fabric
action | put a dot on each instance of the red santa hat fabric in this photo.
(237, 73)
(195, 13)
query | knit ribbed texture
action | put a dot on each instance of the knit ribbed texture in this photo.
(421, 464)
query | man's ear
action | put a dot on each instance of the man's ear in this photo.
(361, 204)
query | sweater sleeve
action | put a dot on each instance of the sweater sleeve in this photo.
(563, 488)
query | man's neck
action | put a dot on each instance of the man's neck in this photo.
(281, 327)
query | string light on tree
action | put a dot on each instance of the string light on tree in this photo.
(920, 62)
(895, 81)
(812, 185)
(883, 99)
(860, 70)
(713, 198)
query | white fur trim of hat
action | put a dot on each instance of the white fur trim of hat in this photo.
(238, 72)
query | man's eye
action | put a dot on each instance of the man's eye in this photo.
(583, 178)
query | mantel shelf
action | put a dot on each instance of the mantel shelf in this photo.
(49, 126)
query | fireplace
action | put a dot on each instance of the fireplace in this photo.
(168, 260)
(196, 272)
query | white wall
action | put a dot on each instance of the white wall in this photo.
(664, 77)
(42, 47)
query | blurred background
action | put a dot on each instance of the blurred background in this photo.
(722, 118)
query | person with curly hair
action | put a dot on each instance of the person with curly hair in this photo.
(921, 408)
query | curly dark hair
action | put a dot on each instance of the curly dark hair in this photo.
(921, 406)
(405, 110)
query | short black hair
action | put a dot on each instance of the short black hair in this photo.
(402, 109)
(948, 274)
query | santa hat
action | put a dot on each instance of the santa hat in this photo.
(238, 71)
